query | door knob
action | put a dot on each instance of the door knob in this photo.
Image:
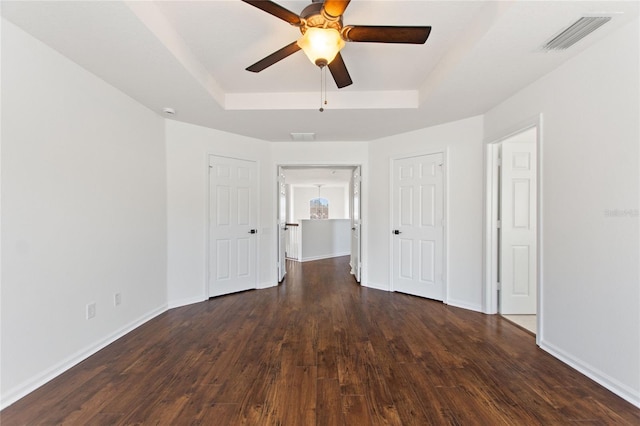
(253, 231)
(397, 232)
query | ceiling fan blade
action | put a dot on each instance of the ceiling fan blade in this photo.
(386, 34)
(339, 72)
(276, 10)
(274, 57)
(335, 8)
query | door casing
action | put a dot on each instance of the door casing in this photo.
(363, 212)
(490, 304)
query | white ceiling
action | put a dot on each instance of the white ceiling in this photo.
(191, 56)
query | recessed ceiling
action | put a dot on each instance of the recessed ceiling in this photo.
(192, 56)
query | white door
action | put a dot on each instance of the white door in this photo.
(356, 225)
(282, 224)
(233, 204)
(418, 231)
(518, 264)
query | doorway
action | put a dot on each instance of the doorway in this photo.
(319, 214)
(512, 258)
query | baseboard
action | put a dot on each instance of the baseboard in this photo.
(326, 256)
(34, 383)
(620, 389)
(383, 287)
(267, 284)
(464, 305)
(187, 301)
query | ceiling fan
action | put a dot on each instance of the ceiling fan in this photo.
(323, 35)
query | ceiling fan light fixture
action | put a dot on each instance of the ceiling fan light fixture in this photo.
(321, 45)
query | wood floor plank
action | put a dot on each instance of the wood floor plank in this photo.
(329, 404)
(355, 410)
(321, 349)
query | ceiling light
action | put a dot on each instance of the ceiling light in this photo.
(169, 111)
(321, 45)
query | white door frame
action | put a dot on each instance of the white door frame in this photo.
(445, 215)
(363, 212)
(490, 206)
(207, 268)
(355, 193)
(281, 225)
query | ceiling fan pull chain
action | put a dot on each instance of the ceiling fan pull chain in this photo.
(324, 83)
(322, 73)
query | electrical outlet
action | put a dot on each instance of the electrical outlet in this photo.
(117, 299)
(91, 310)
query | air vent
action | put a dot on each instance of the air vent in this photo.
(303, 137)
(576, 32)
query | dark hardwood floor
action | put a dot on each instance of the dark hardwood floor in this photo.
(320, 349)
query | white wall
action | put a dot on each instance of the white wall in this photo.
(336, 195)
(590, 301)
(462, 143)
(322, 239)
(83, 214)
(188, 148)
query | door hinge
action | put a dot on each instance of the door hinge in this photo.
(499, 286)
(498, 224)
(500, 161)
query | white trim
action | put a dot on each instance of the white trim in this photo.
(390, 227)
(267, 284)
(324, 256)
(376, 286)
(623, 391)
(489, 234)
(363, 209)
(186, 301)
(445, 215)
(489, 284)
(207, 225)
(47, 375)
(464, 305)
(445, 232)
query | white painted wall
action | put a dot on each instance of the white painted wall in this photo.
(322, 239)
(462, 143)
(83, 214)
(336, 195)
(319, 153)
(590, 301)
(188, 147)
